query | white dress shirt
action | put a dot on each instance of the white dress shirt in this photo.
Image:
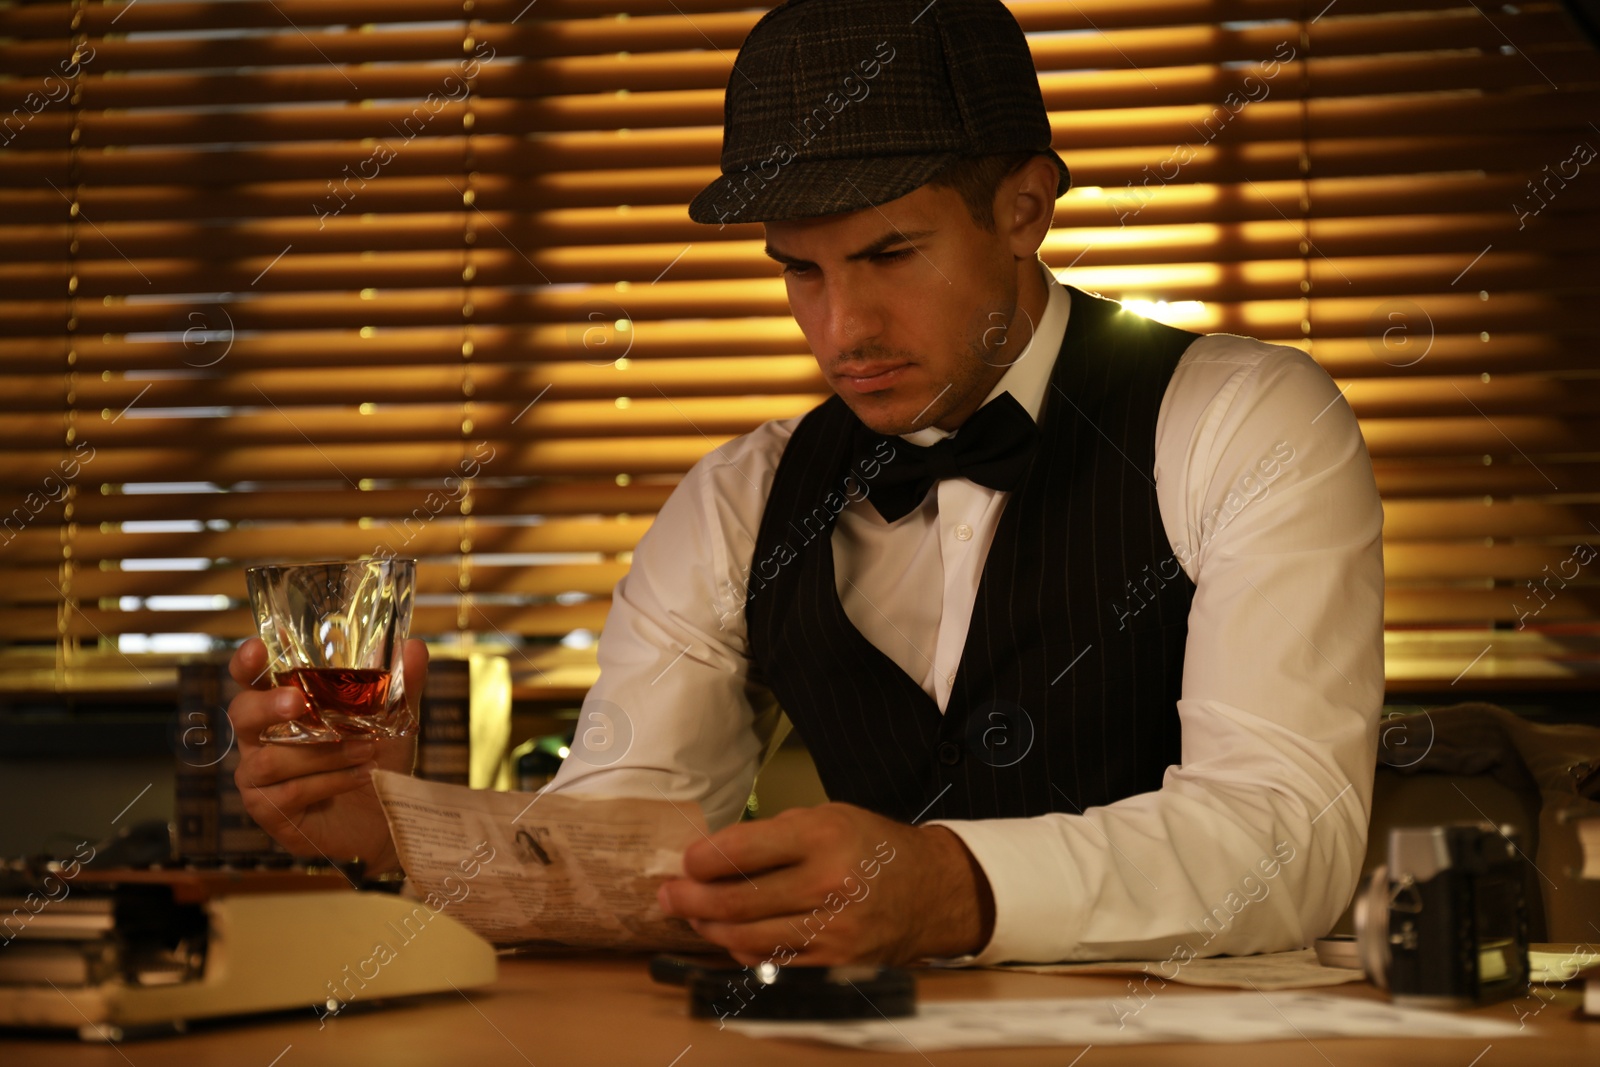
(1253, 843)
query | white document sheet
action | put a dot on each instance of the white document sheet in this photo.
(520, 868)
(1297, 969)
(1253, 1016)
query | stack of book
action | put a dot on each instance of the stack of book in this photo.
(444, 728)
(48, 937)
(212, 825)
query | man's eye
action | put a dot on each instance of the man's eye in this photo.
(794, 271)
(891, 257)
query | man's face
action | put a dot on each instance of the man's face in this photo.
(910, 308)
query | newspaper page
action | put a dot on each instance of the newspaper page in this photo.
(528, 869)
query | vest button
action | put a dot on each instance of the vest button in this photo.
(949, 753)
(963, 532)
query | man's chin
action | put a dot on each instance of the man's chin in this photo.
(886, 412)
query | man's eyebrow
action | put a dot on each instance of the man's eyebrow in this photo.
(784, 258)
(889, 239)
(893, 237)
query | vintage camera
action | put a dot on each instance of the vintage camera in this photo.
(1444, 923)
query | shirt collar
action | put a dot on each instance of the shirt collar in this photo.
(1028, 378)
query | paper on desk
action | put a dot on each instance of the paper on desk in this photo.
(941, 1025)
(571, 870)
(1297, 969)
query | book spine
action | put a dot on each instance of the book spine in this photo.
(240, 842)
(197, 752)
(444, 732)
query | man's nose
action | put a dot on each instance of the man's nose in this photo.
(851, 319)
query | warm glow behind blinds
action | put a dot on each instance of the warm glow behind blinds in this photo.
(319, 278)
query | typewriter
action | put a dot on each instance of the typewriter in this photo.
(115, 952)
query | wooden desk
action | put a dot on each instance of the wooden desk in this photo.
(606, 1011)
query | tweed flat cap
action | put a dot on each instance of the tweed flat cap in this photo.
(838, 105)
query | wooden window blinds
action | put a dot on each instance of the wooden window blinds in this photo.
(322, 278)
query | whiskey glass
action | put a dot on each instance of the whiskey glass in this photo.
(337, 630)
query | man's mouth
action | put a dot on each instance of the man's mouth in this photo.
(873, 377)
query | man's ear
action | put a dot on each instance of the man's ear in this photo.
(1025, 206)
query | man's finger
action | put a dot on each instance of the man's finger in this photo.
(248, 664)
(254, 710)
(272, 764)
(744, 849)
(274, 807)
(414, 668)
(771, 893)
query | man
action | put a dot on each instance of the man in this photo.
(1079, 614)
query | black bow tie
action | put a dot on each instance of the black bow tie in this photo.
(992, 448)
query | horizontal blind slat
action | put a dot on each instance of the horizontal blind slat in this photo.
(55, 19)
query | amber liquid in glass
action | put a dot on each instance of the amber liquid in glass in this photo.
(346, 693)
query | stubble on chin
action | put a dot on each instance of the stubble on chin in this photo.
(933, 406)
(890, 424)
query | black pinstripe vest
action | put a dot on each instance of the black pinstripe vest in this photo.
(1065, 696)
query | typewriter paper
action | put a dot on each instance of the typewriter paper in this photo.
(941, 1025)
(519, 868)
